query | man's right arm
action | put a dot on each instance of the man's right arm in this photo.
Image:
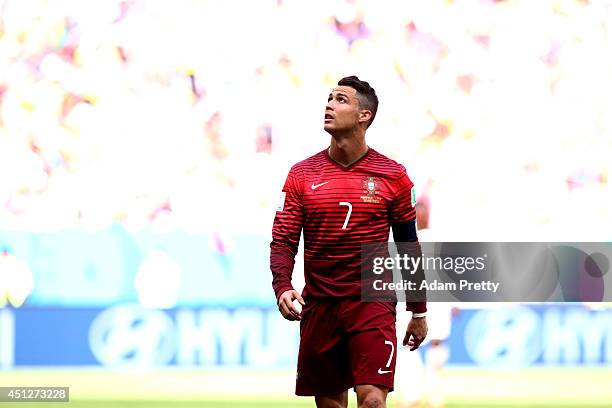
(286, 233)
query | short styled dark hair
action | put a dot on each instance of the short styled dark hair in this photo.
(365, 94)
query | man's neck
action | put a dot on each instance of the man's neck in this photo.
(347, 150)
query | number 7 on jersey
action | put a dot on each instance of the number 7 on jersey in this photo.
(348, 214)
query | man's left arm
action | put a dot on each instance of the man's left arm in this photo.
(403, 225)
(405, 237)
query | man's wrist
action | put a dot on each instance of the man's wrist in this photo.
(419, 315)
(282, 290)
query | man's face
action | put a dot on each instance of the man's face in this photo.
(342, 110)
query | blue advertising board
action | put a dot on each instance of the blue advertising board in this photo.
(132, 336)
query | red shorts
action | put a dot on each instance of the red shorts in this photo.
(344, 343)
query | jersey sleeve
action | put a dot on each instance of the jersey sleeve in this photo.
(402, 205)
(286, 233)
(402, 211)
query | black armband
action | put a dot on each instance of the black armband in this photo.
(405, 231)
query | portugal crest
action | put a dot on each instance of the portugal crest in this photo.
(370, 185)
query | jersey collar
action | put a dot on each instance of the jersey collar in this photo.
(350, 165)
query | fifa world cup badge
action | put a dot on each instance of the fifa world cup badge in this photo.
(281, 202)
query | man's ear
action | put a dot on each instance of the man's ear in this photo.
(364, 116)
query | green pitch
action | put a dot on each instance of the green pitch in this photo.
(464, 387)
(275, 404)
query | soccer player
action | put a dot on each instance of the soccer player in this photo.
(342, 197)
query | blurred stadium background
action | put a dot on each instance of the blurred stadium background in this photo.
(143, 145)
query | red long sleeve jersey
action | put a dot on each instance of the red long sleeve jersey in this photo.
(339, 208)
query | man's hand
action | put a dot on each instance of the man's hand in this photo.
(286, 307)
(415, 333)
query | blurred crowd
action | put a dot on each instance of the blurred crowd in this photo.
(188, 114)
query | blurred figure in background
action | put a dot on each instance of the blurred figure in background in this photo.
(418, 372)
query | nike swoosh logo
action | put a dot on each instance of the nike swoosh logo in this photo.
(381, 371)
(315, 186)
